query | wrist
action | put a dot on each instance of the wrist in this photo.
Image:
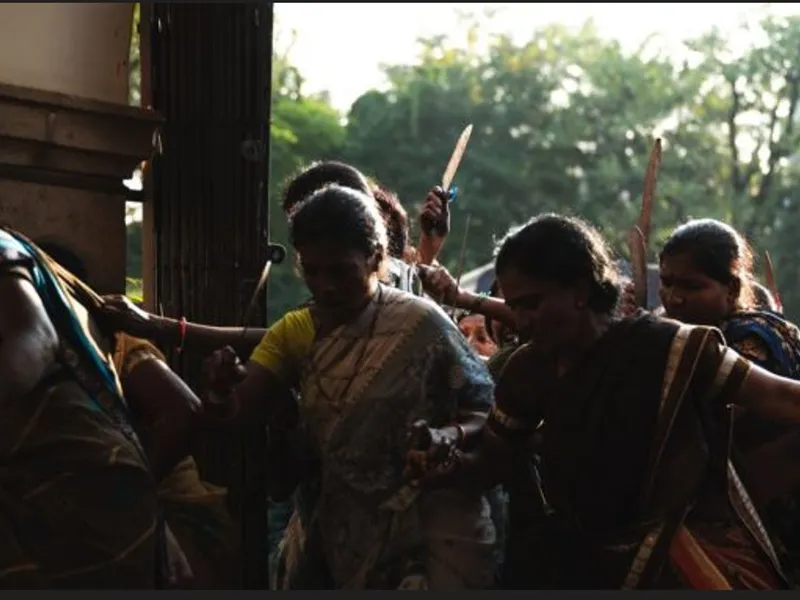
(166, 329)
(468, 301)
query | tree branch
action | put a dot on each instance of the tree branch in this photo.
(777, 148)
(736, 175)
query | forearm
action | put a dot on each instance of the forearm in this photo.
(207, 338)
(166, 410)
(487, 306)
(429, 249)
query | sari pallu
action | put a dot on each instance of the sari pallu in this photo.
(635, 464)
(362, 388)
(78, 503)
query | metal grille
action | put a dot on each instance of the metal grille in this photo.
(211, 75)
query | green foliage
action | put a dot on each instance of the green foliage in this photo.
(564, 121)
(133, 289)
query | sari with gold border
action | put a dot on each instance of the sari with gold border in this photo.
(635, 462)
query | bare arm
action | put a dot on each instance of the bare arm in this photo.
(493, 308)
(770, 396)
(165, 409)
(439, 283)
(207, 338)
(29, 339)
(257, 400)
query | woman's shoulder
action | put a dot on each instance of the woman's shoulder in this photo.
(12, 251)
(767, 339)
(761, 323)
(410, 304)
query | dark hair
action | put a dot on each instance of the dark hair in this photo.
(319, 174)
(717, 250)
(762, 297)
(563, 250)
(396, 219)
(340, 216)
(65, 257)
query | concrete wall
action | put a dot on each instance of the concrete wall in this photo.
(80, 51)
(74, 49)
(91, 224)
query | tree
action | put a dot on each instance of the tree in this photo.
(304, 128)
(565, 121)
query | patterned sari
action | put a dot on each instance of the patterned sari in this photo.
(79, 504)
(359, 526)
(772, 343)
(635, 465)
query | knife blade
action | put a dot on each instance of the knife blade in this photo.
(455, 158)
(439, 226)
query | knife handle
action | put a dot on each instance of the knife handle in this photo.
(439, 227)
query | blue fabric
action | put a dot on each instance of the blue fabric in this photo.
(780, 337)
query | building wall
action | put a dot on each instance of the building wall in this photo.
(74, 49)
(78, 51)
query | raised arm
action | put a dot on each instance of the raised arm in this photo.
(28, 339)
(123, 315)
(440, 285)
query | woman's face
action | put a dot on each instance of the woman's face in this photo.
(690, 296)
(473, 327)
(339, 280)
(544, 311)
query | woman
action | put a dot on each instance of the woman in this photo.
(707, 279)
(631, 419)
(163, 412)
(380, 360)
(179, 333)
(80, 508)
(473, 328)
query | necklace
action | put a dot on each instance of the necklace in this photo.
(315, 369)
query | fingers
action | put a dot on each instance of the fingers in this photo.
(435, 203)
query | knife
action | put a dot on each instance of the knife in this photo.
(438, 226)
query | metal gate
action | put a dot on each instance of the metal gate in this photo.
(210, 77)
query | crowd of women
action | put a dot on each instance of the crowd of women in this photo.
(548, 435)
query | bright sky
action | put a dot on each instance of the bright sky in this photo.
(340, 46)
